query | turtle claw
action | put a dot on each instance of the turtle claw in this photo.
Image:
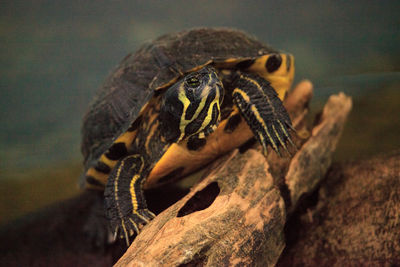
(279, 136)
(145, 215)
(127, 226)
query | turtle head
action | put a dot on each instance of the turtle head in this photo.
(192, 105)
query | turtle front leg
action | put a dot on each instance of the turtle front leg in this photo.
(124, 198)
(263, 111)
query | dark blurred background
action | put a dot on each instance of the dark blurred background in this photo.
(55, 54)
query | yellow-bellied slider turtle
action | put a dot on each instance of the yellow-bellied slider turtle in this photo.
(175, 105)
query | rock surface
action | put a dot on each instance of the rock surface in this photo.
(356, 220)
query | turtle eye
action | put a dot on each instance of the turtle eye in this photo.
(192, 82)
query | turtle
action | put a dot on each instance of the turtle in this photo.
(173, 106)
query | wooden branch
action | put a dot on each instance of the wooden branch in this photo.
(241, 210)
(310, 164)
(236, 214)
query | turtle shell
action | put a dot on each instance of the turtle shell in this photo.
(155, 66)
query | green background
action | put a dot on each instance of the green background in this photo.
(55, 54)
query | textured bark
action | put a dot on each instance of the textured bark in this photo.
(225, 219)
(236, 214)
(312, 161)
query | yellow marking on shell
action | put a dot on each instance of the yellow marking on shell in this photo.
(230, 62)
(150, 135)
(281, 79)
(126, 138)
(144, 107)
(111, 163)
(99, 176)
(171, 82)
(258, 65)
(199, 67)
(103, 177)
(151, 131)
(256, 114)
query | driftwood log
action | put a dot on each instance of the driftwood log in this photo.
(236, 214)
